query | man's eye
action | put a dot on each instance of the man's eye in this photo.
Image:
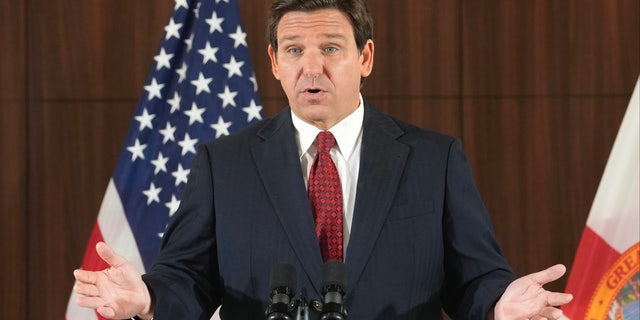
(294, 50)
(330, 50)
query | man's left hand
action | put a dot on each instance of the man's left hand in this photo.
(525, 298)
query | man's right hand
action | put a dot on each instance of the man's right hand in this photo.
(115, 293)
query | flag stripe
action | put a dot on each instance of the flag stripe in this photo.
(592, 248)
(115, 228)
(91, 261)
(614, 213)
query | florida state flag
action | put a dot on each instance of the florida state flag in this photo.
(605, 278)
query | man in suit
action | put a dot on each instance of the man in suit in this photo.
(415, 235)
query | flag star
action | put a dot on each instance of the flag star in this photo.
(137, 150)
(162, 60)
(215, 23)
(208, 54)
(233, 67)
(196, 10)
(172, 30)
(145, 120)
(182, 72)
(174, 102)
(154, 89)
(189, 42)
(239, 37)
(180, 174)
(221, 128)
(195, 114)
(153, 194)
(173, 205)
(202, 84)
(168, 133)
(228, 97)
(253, 111)
(188, 144)
(181, 4)
(255, 82)
(160, 163)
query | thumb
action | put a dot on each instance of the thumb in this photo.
(109, 256)
(550, 274)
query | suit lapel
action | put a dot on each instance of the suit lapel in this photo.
(381, 166)
(278, 163)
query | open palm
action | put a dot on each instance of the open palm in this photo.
(525, 298)
(117, 292)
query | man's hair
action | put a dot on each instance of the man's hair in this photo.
(356, 10)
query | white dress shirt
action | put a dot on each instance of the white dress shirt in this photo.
(345, 155)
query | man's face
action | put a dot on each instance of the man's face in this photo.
(319, 65)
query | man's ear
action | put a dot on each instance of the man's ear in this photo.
(274, 62)
(366, 59)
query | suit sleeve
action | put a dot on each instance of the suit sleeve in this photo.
(184, 279)
(476, 271)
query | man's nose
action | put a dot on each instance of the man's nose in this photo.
(313, 64)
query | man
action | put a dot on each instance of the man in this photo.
(415, 235)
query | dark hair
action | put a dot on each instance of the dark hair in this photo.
(356, 10)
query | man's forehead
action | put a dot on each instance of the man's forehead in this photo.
(330, 21)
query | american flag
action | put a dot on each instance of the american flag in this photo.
(201, 87)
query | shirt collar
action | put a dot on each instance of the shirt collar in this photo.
(346, 132)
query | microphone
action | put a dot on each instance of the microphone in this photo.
(282, 286)
(334, 287)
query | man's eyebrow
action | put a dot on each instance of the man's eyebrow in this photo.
(327, 35)
(289, 38)
(335, 36)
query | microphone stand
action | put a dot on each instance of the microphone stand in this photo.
(302, 312)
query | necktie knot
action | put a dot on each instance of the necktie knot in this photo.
(326, 141)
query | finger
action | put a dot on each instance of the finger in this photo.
(558, 298)
(106, 312)
(90, 302)
(550, 313)
(550, 274)
(108, 255)
(85, 276)
(86, 289)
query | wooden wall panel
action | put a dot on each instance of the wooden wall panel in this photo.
(537, 163)
(12, 63)
(550, 47)
(254, 16)
(78, 146)
(93, 50)
(88, 62)
(416, 69)
(417, 49)
(439, 114)
(13, 172)
(544, 87)
(13, 208)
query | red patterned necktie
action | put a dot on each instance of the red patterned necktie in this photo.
(325, 195)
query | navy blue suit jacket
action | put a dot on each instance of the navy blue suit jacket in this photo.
(421, 239)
